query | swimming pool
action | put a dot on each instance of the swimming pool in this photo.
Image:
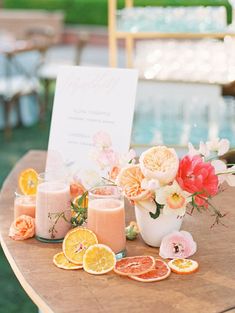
(174, 114)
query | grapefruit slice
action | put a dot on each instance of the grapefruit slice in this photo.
(99, 259)
(183, 266)
(61, 261)
(160, 272)
(135, 265)
(76, 242)
(28, 181)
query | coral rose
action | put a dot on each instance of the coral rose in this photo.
(159, 163)
(195, 175)
(130, 180)
(22, 228)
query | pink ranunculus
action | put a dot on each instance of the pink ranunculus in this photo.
(106, 158)
(179, 244)
(102, 140)
(195, 175)
(22, 228)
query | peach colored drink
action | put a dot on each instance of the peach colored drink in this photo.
(106, 218)
(24, 205)
(52, 211)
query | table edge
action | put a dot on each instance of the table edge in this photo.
(23, 282)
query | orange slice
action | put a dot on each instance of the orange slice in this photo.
(61, 261)
(135, 265)
(160, 272)
(28, 181)
(76, 242)
(183, 266)
(99, 259)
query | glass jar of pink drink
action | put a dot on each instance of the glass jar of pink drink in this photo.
(53, 212)
(106, 217)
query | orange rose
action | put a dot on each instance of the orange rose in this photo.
(22, 228)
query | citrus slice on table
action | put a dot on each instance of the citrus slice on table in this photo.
(135, 265)
(99, 259)
(161, 271)
(183, 266)
(76, 242)
(28, 181)
(61, 261)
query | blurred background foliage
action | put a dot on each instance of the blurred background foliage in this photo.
(94, 12)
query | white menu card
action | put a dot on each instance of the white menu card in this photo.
(88, 100)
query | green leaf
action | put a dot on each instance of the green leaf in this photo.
(81, 199)
(158, 211)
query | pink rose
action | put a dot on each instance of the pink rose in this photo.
(179, 244)
(195, 175)
(22, 228)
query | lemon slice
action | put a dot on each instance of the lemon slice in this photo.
(61, 261)
(76, 242)
(183, 266)
(99, 259)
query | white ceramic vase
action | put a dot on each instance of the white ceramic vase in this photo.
(153, 230)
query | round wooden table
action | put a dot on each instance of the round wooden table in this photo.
(211, 289)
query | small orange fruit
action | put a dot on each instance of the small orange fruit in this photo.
(28, 181)
(183, 266)
(98, 259)
(76, 242)
(61, 261)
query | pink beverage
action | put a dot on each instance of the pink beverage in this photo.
(106, 217)
(53, 212)
(24, 205)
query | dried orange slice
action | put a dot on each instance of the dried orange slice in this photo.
(183, 266)
(61, 261)
(76, 242)
(160, 272)
(28, 181)
(135, 265)
(99, 259)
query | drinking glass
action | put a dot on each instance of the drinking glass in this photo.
(53, 213)
(106, 217)
(24, 205)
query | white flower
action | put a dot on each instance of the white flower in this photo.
(150, 184)
(217, 145)
(127, 158)
(173, 198)
(88, 178)
(203, 149)
(224, 173)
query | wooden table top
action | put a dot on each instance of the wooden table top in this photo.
(211, 289)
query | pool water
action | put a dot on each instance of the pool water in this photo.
(177, 121)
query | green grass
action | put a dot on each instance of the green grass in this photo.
(13, 299)
(95, 11)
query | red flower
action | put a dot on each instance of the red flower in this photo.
(195, 175)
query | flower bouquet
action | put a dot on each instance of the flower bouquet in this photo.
(164, 188)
